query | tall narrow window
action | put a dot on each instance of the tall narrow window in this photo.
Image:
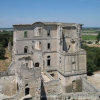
(25, 34)
(48, 45)
(27, 91)
(48, 61)
(48, 33)
(25, 49)
(39, 30)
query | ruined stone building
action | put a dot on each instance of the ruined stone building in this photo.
(48, 63)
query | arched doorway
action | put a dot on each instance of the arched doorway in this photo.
(27, 91)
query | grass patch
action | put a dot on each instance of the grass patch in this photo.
(89, 37)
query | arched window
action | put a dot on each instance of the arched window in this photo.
(25, 49)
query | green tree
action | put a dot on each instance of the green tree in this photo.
(98, 37)
(2, 52)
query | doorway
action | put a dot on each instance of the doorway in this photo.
(27, 91)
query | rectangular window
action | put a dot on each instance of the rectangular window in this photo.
(48, 62)
(25, 34)
(52, 75)
(48, 46)
(48, 33)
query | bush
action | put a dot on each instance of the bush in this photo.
(89, 42)
(2, 52)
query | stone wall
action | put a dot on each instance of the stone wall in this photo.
(81, 96)
(50, 88)
(89, 87)
(8, 85)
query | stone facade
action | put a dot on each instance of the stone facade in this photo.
(48, 61)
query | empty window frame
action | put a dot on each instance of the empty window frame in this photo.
(48, 33)
(52, 75)
(39, 31)
(25, 49)
(48, 56)
(48, 46)
(48, 61)
(36, 64)
(25, 34)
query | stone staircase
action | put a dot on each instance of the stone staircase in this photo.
(25, 97)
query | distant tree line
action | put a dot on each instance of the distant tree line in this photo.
(5, 38)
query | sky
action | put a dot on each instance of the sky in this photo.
(86, 12)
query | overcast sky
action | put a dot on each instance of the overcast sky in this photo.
(86, 12)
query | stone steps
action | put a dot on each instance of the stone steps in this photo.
(27, 96)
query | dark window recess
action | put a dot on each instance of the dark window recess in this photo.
(59, 79)
(69, 47)
(17, 87)
(52, 75)
(48, 34)
(26, 84)
(36, 64)
(48, 45)
(25, 34)
(48, 56)
(27, 91)
(73, 62)
(39, 31)
(25, 49)
(48, 62)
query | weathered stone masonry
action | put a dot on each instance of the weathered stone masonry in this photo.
(48, 62)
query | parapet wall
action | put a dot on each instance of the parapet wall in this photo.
(81, 96)
(50, 88)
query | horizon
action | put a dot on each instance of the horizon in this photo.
(12, 27)
(68, 11)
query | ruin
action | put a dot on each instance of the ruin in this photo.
(48, 63)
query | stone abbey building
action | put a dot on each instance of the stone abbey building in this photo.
(48, 63)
